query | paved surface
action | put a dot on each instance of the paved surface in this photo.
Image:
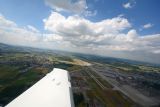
(96, 80)
(132, 93)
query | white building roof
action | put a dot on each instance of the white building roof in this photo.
(54, 90)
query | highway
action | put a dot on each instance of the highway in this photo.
(95, 79)
(127, 90)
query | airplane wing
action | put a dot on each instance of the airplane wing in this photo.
(53, 90)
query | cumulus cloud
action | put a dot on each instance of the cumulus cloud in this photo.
(76, 6)
(90, 13)
(108, 33)
(32, 28)
(148, 25)
(60, 24)
(52, 37)
(11, 33)
(129, 4)
(111, 37)
(75, 28)
(156, 51)
(6, 23)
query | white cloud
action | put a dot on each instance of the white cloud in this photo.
(88, 13)
(6, 23)
(106, 34)
(76, 25)
(77, 6)
(75, 33)
(32, 28)
(82, 32)
(52, 37)
(129, 4)
(148, 25)
(11, 33)
(156, 51)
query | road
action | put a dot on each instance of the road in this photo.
(127, 90)
(95, 79)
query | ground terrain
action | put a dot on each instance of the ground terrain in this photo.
(96, 81)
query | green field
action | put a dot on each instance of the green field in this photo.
(20, 69)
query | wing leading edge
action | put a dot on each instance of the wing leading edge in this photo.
(53, 90)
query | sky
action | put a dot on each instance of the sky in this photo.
(116, 28)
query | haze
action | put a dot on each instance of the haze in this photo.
(125, 29)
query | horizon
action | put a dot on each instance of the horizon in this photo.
(126, 29)
(90, 54)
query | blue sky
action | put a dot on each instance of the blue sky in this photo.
(118, 28)
(25, 12)
(32, 12)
